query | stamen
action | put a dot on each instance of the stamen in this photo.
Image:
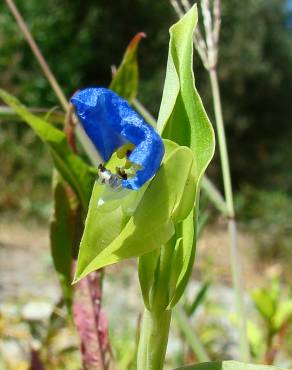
(106, 177)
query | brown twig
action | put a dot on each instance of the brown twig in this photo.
(69, 128)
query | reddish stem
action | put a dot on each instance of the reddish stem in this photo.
(91, 322)
(89, 318)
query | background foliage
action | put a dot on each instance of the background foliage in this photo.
(82, 39)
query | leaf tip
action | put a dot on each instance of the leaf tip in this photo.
(76, 279)
(136, 40)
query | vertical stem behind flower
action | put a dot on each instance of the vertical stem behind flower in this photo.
(236, 267)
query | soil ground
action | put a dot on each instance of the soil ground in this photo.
(26, 267)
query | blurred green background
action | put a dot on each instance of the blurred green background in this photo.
(82, 39)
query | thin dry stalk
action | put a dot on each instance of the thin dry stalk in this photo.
(199, 41)
(85, 141)
(186, 4)
(38, 55)
(177, 8)
(208, 24)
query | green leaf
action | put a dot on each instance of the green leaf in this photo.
(256, 339)
(146, 269)
(199, 298)
(182, 118)
(228, 365)
(109, 237)
(125, 81)
(56, 117)
(283, 314)
(265, 303)
(62, 238)
(183, 259)
(184, 325)
(77, 173)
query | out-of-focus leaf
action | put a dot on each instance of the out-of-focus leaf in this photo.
(62, 232)
(77, 173)
(188, 331)
(199, 298)
(125, 81)
(256, 339)
(108, 239)
(283, 314)
(228, 365)
(7, 113)
(264, 303)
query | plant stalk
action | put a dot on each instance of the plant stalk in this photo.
(222, 141)
(232, 228)
(153, 339)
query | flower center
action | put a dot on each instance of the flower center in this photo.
(118, 168)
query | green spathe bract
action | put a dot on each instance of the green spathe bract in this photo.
(112, 235)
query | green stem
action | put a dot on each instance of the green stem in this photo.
(214, 195)
(153, 339)
(236, 270)
(222, 142)
(234, 252)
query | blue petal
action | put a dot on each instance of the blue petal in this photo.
(110, 122)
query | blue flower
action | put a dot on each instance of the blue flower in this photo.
(110, 123)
